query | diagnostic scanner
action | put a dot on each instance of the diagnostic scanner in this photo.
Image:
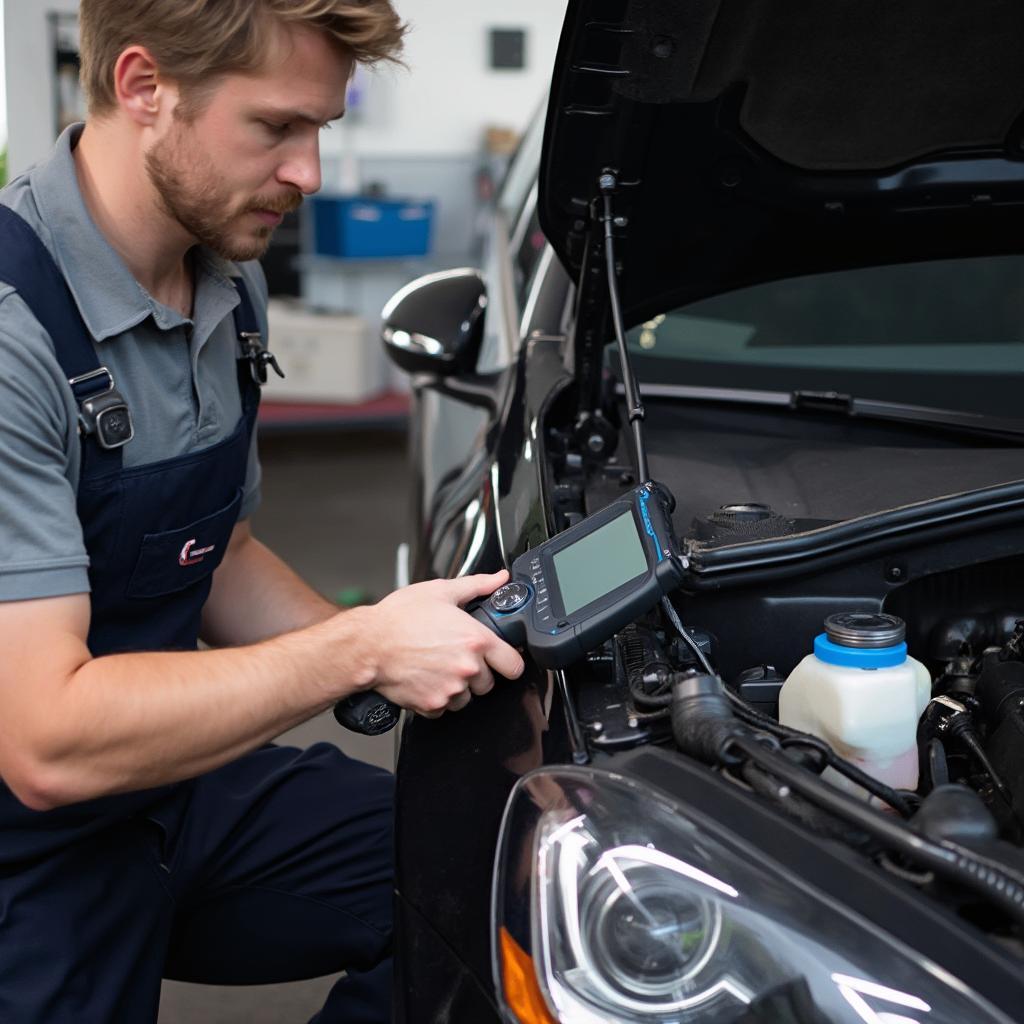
(573, 592)
(569, 594)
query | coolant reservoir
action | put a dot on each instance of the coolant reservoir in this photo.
(861, 693)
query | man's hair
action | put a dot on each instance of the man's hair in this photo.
(195, 42)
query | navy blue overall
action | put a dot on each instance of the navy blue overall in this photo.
(273, 868)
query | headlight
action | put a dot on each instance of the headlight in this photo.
(613, 906)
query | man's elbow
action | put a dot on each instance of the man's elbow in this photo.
(38, 785)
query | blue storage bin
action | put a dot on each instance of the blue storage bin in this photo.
(362, 228)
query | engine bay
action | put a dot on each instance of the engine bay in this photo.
(970, 739)
(956, 590)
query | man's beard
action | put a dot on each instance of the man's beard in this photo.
(191, 194)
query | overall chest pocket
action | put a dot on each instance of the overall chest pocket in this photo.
(176, 559)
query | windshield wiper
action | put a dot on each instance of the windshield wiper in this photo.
(841, 404)
(872, 408)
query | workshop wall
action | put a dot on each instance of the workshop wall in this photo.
(449, 94)
(32, 95)
(441, 106)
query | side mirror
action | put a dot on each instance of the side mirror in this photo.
(435, 324)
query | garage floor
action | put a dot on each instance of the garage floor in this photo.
(335, 507)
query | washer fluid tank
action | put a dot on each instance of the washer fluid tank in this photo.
(860, 692)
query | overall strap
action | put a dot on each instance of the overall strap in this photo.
(27, 266)
(253, 358)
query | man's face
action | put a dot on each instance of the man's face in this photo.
(229, 173)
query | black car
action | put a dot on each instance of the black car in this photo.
(804, 221)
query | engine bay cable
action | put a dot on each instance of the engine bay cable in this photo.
(787, 735)
(677, 624)
(758, 720)
(995, 882)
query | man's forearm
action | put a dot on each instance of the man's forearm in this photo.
(134, 721)
(73, 727)
(255, 596)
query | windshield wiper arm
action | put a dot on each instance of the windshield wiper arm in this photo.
(871, 408)
(839, 403)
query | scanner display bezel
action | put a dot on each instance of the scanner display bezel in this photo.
(556, 639)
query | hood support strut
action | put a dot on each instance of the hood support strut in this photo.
(634, 405)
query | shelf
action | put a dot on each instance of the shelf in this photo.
(414, 266)
(388, 411)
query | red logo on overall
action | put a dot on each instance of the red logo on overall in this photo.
(191, 555)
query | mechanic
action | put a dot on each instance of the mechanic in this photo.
(148, 828)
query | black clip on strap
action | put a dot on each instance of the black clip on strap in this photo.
(258, 357)
(103, 412)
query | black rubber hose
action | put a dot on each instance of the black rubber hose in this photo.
(876, 788)
(996, 883)
(810, 816)
(659, 699)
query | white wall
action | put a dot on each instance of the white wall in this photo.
(31, 104)
(440, 106)
(446, 98)
(3, 83)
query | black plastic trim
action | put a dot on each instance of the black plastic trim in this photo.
(925, 520)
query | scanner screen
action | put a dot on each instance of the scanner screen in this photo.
(597, 564)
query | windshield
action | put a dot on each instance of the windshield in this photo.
(948, 334)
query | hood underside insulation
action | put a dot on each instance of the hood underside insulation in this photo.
(845, 85)
(755, 140)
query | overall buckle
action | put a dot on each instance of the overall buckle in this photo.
(103, 414)
(258, 357)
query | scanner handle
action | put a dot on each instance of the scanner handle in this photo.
(371, 714)
(368, 713)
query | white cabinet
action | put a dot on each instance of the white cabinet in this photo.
(327, 357)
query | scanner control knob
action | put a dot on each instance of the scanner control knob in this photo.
(510, 597)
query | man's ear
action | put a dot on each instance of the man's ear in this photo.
(140, 89)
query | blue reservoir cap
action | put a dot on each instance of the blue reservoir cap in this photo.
(858, 657)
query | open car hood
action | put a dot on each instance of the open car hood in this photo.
(762, 139)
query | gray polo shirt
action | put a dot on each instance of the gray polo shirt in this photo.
(177, 375)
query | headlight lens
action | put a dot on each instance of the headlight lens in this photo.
(635, 913)
(642, 933)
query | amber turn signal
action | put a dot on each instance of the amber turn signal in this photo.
(522, 993)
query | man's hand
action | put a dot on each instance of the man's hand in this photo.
(433, 656)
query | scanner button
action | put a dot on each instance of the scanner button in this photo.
(510, 597)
